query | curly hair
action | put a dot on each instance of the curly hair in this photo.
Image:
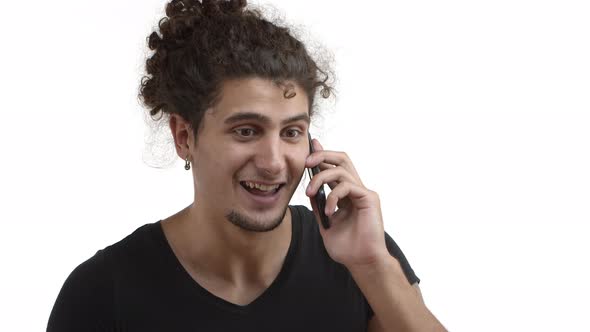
(202, 44)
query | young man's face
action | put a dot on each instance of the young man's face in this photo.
(267, 147)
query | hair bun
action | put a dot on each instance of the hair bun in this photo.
(211, 7)
(204, 7)
(233, 6)
(180, 7)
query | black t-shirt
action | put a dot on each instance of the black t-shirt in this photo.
(138, 284)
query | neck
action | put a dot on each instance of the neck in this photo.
(215, 248)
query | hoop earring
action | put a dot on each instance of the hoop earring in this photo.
(187, 165)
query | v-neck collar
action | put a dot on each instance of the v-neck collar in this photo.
(190, 284)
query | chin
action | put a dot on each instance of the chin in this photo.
(260, 222)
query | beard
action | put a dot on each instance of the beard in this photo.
(252, 225)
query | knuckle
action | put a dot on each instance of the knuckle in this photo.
(374, 194)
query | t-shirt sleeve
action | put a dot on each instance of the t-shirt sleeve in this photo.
(85, 301)
(396, 252)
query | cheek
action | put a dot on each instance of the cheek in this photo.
(231, 161)
(213, 166)
(298, 168)
(298, 159)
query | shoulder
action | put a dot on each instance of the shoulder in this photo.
(87, 296)
(119, 254)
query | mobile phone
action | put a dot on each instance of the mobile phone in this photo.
(320, 196)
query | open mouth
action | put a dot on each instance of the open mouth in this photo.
(260, 190)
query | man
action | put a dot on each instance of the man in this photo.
(239, 257)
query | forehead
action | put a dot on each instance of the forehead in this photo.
(260, 100)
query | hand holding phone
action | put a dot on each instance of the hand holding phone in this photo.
(320, 196)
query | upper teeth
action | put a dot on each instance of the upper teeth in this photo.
(261, 186)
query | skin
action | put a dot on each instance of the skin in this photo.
(229, 244)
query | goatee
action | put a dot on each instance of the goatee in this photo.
(251, 225)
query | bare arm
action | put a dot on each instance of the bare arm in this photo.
(397, 305)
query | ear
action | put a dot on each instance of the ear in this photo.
(182, 134)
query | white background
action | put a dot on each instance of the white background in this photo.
(469, 118)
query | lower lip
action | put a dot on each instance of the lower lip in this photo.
(264, 200)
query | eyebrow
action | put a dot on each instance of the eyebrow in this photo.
(263, 118)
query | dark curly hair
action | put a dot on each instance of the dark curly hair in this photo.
(202, 44)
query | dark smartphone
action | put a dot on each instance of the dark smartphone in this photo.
(320, 196)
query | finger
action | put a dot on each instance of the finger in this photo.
(316, 145)
(323, 167)
(330, 184)
(358, 196)
(332, 176)
(332, 158)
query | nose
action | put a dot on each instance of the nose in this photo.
(270, 158)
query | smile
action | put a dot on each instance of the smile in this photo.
(262, 194)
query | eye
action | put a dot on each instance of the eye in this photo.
(242, 131)
(293, 133)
